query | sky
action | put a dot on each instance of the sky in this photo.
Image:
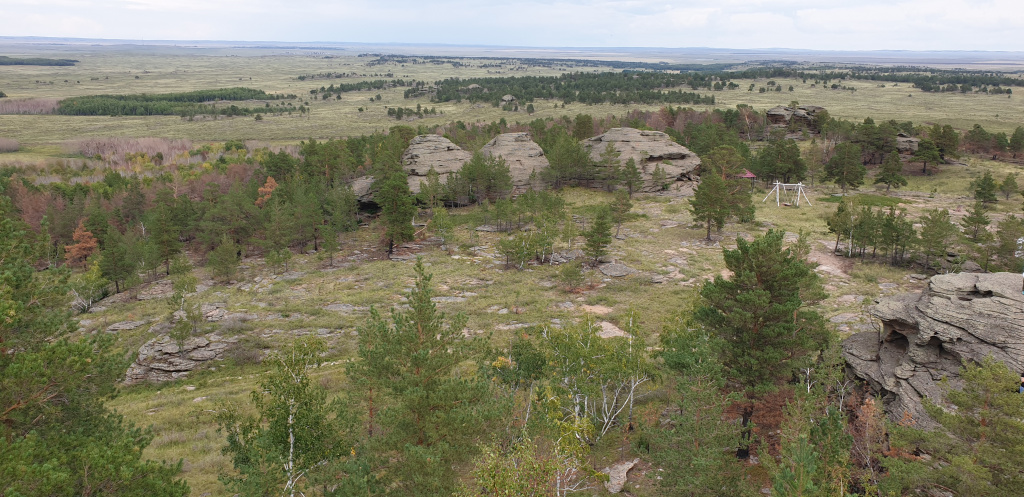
(799, 24)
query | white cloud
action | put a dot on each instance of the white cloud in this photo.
(811, 24)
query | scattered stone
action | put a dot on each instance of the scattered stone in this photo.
(600, 310)
(447, 300)
(345, 308)
(124, 326)
(846, 317)
(566, 306)
(971, 267)
(888, 286)
(617, 475)
(199, 399)
(609, 330)
(850, 299)
(502, 311)
(616, 270)
(917, 276)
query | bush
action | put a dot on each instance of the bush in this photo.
(9, 145)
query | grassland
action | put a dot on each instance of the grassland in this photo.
(114, 70)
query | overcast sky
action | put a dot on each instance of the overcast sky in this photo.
(818, 24)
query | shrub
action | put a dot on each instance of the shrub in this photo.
(8, 145)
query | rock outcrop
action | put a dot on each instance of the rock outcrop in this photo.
(160, 359)
(523, 156)
(783, 116)
(906, 144)
(432, 151)
(926, 336)
(649, 149)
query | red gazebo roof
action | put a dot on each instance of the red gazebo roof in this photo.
(747, 174)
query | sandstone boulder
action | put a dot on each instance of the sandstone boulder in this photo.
(649, 149)
(523, 156)
(926, 336)
(432, 151)
(160, 359)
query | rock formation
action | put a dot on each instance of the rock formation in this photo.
(160, 359)
(906, 144)
(523, 156)
(648, 149)
(432, 151)
(926, 336)
(783, 116)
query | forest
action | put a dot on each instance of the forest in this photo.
(169, 104)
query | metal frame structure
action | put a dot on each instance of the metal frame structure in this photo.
(798, 187)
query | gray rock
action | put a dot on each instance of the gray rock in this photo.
(616, 270)
(926, 336)
(447, 300)
(124, 326)
(617, 475)
(971, 267)
(523, 156)
(432, 151)
(649, 148)
(160, 359)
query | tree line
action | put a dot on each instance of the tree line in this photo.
(184, 103)
(619, 88)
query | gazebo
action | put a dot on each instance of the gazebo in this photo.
(751, 176)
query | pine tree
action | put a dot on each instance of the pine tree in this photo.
(659, 177)
(761, 313)
(977, 450)
(927, 152)
(116, 265)
(165, 228)
(395, 201)
(56, 435)
(599, 236)
(841, 222)
(710, 202)
(845, 167)
(1009, 186)
(620, 209)
(631, 177)
(975, 223)
(984, 188)
(690, 449)
(85, 244)
(223, 260)
(611, 167)
(431, 413)
(1008, 233)
(937, 234)
(890, 174)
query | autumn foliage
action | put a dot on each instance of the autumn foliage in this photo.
(85, 244)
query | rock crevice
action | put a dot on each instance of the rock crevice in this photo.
(925, 337)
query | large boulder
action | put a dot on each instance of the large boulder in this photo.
(926, 336)
(523, 156)
(648, 149)
(424, 152)
(160, 359)
(432, 151)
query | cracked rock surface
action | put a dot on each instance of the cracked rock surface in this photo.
(926, 336)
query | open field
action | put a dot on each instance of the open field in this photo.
(124, 70)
